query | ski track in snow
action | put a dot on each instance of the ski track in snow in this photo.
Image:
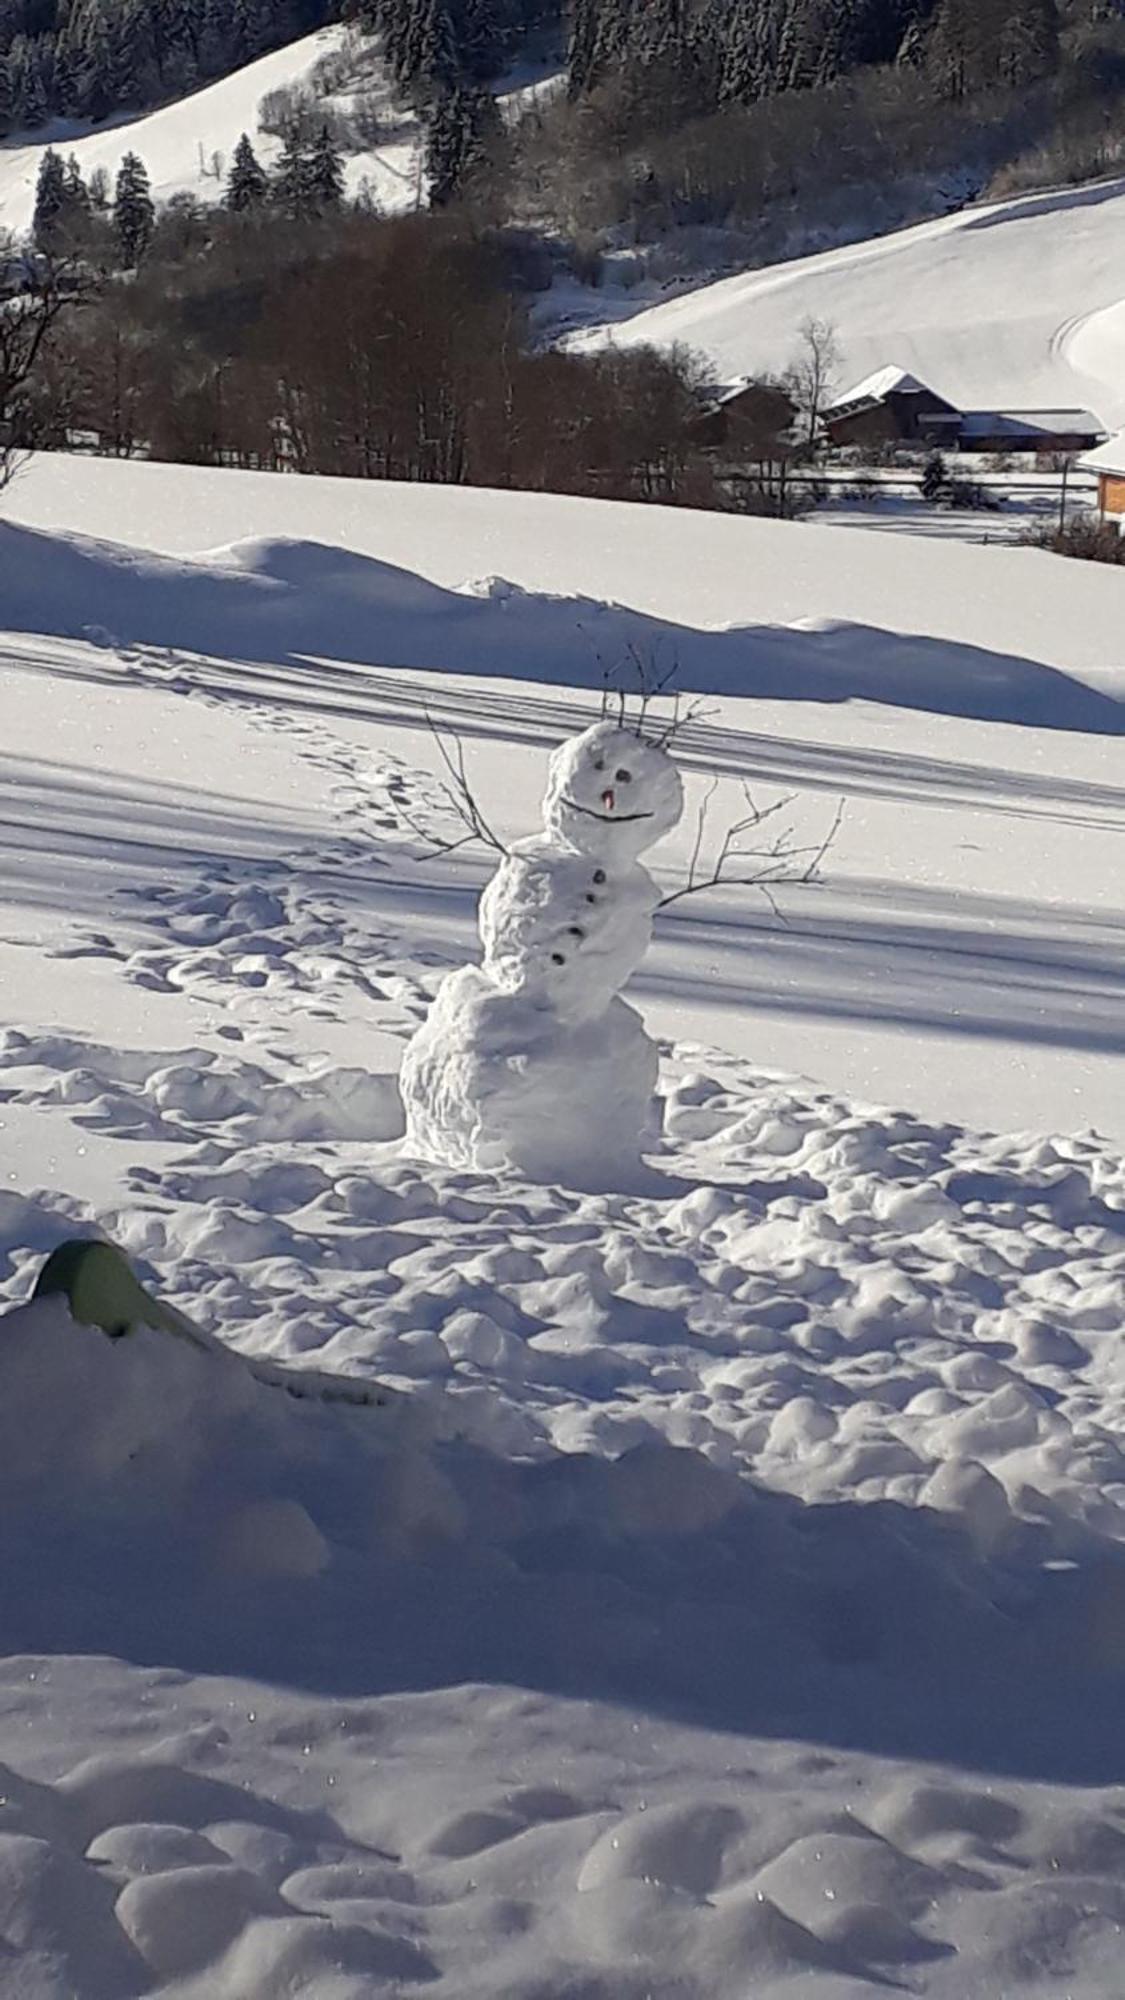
(823, 1302)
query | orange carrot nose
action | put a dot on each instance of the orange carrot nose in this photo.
(608, 801)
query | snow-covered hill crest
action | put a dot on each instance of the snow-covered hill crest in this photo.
(1014, 305)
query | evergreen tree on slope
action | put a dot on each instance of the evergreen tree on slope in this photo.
(290, 187)
(133, 214)
(324, 173)
(50, 200)
(247, 184)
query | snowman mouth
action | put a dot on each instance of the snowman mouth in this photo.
(610, 818)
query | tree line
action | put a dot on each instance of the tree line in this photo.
(693, 56)
(712, 52)
(393, 348)
(89, 58)
(113, 228)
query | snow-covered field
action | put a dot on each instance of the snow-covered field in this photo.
(178, 142)
(732, 1598)
(1019, 304)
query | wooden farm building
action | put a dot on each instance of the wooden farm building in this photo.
(1029, 430)
(743, 415)
(892, 407)
(1109, 464)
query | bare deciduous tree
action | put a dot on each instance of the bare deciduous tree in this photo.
(40, 289)
(812, 377)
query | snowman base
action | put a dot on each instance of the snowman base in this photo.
(497, 1082)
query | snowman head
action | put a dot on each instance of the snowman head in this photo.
(611, 794)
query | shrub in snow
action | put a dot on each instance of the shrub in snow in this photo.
(934, 483)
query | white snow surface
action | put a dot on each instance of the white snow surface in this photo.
(1011, 304)
(178, 141)
(732, 1600)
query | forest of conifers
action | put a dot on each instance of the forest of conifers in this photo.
(89, 58)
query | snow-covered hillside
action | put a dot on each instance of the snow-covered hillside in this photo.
(178, 142)
(727, 1595)
(1015, 305)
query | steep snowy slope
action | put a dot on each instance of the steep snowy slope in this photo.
(1015, 305)
(177, 143)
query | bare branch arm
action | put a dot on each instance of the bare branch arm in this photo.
(461, 797)
(777, 861)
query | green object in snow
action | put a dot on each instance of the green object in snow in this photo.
(98, 1284)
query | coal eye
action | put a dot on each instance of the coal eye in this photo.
(623, 777)
(599, 763)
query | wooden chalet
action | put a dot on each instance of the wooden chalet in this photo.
(1109, 464)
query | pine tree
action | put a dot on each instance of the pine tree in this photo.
(123, 83)
(744, 71)
(30, 107)
(290, 186)
(325, 173)
(582, 49)
(76, 192)
(483, 39)
(431, 55)
(462, 123)
(1027, 42)
(247, 184)
(50, 200)
(133, 214)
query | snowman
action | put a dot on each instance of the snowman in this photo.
(532, 1062)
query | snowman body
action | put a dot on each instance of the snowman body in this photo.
(532, 1062)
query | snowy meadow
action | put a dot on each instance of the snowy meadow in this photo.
(726, 1593)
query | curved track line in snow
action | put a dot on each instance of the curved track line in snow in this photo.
(1093, 346)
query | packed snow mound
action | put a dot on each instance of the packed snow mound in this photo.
(1013, 305)
(295, 602)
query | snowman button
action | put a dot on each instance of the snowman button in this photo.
(591, 898)
(557, 958)
(576, 931)
(599, 874)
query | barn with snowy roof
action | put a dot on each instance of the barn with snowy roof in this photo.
(894, 407)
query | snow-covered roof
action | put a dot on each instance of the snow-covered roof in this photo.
(726, 392)
(1107, 457)
(1055, 423)
(884, 382)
